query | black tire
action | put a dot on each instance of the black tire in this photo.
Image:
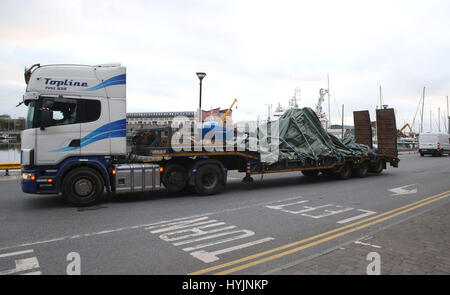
(327, 171)
(345, 172)
(362, 170)
(377, 168)
(83, 186)
(421, 154)
(174, 178)
(310, 173)
(208, 180)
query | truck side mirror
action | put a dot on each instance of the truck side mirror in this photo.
(46, 118)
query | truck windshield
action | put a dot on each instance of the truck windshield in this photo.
(30, 115)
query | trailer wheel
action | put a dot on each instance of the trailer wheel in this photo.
(82, 187)
(327, 171)
(310, 173)
(208, 180)
(377, 168)
(361, 170)
(174, 178)
(345, 172)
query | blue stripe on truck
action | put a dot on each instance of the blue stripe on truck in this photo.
(114, 129)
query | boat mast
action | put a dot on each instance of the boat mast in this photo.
(448, 118)
(421, 115)
(329, 109)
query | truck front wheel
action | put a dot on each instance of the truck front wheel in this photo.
(208, 180)
(82, 187)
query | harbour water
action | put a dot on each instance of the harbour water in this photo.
(9, 153)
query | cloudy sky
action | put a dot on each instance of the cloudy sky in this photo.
(256, 51)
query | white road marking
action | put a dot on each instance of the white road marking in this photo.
(304, 211)
(180, 224)
(209, 257)
(367, 244)
(133, 227)
(16, 253)
(280, 207)
(368, 213)
(245, 234)
(22, 265)
(399, 191)
(197, 231)
(200, 229)
(329, 212)
(34, 273)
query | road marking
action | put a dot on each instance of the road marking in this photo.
(326, 212)
(367, 244)
(16, 253)
(168, 237)
(325, 239)
(30, 263)
(244, 234)
(329, 212)
(34, 273)
(139, 226)
(22, 265)
(209, 257)
(190, 231)
(410, 206)
(399, 191)
(368, 213)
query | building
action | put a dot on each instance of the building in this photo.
(156, 119)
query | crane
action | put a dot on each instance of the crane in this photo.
(228, 112)
(322, 94)
(411, 133)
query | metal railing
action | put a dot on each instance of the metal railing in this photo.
(9, 166)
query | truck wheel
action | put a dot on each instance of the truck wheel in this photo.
(327, 171)
(174, 178)
(345, 172)
(310, 173)
(82, 187)
(208, 180)
(362, 170)
(377, 168)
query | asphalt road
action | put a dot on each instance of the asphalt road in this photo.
(248, 229)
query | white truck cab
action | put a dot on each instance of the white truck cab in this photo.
(76, 114)
(435, 144)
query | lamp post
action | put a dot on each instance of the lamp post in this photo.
(200, 76)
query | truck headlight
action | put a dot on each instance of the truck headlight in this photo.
(28, 176)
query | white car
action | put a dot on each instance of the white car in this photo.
(436, 144)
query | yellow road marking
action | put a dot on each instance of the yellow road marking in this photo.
(202, 271)
(325, 239)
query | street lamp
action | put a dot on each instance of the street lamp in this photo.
(200, 75)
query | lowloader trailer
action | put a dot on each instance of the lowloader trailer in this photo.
(75, 144)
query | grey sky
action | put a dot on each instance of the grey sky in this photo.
(256, 51)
